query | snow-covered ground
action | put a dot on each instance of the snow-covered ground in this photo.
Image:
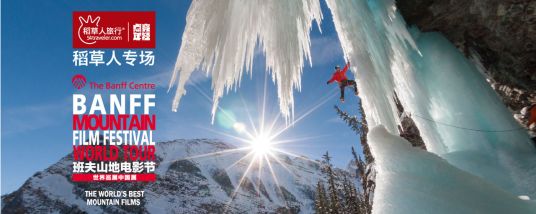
(411, 180)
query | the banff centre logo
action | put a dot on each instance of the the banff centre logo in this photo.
(79, 81)
(114, 29)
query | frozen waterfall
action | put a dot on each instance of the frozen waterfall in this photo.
(460, 117)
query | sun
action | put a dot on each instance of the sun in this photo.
(262, 145)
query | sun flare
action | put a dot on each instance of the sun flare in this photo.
(262, 145)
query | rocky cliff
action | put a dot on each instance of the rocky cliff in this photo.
(502, 33)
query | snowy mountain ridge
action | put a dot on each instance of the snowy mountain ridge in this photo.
(199, 184)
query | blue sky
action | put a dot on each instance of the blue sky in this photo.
(36, 87)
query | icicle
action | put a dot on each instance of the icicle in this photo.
(220, 38)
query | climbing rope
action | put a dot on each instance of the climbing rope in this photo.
(465, 128)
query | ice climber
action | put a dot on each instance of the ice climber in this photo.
(340, 76)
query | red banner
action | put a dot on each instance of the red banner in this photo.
(114, 29)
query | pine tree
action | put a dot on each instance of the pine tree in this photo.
(360, 127)
(357, 197)
(363, 195)
(321, 203)
(346, 203)
(367, 185)
(334, 205)
(351, 204)
(363, 132)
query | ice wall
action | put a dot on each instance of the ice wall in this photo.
(460, 117)
(220, 38)
(458, 94)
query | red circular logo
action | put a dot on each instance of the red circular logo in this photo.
(79, 81)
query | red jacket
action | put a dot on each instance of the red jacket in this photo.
(532, 118)
(340, 75)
